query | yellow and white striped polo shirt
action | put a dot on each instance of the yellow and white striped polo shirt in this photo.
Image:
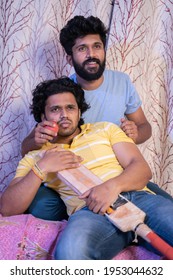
(94, 145)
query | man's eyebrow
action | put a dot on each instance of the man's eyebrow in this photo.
(81, 45)
(59, 106)
(71, 104)
(84, 45)
(55, 106)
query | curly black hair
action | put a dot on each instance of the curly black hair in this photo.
(55, 86)
(78, 27)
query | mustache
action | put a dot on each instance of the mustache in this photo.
(91, 60)
(63, 119)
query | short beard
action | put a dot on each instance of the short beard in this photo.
(81, 72)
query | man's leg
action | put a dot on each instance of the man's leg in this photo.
(48, 205)
(90, 236)
(159, 212)
(157, 190)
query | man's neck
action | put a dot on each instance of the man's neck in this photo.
(89, 85)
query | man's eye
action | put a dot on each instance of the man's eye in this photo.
(55, 109)
(82, 49)
(98, 46)
(70, 108)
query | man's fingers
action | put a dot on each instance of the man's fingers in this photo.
(85, 195)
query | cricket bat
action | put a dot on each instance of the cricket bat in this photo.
(122, 213)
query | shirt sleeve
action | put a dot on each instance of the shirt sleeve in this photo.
(116, 134)
(25, 165)
(133, 101)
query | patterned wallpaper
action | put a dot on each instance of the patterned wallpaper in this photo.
(140, 44)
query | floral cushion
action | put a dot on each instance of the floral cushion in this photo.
(137, 253)
(24, 237)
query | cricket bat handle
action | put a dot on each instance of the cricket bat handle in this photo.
(158, 243)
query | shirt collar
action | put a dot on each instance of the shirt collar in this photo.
(84, 129)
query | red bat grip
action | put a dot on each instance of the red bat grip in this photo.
(160, 245)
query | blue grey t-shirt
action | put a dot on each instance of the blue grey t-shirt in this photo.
(110, 102)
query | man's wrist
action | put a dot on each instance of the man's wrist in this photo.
(39, 172)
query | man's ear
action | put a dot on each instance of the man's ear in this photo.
(69, 60)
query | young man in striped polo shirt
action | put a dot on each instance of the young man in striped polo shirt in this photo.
(110, 154)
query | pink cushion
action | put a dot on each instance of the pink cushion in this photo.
(136, 253)
(24, 237)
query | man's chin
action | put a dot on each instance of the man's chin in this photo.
(92, 69)
(91, 77)
(92, 74)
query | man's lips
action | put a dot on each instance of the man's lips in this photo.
(92, 62)
(64, 123)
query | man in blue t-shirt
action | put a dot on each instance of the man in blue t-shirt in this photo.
(110, 94)
(115, 99)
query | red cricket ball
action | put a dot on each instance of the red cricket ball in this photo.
(54, 128)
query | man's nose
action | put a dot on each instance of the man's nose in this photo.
(63, 113)
(90, 52)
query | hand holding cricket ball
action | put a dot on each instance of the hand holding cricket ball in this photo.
(53, 128)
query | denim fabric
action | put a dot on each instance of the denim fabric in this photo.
(48, 205)
(91, 236)
(155, 188)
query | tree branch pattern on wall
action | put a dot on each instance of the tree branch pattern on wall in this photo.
(140, 43)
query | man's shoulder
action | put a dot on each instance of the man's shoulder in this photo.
(115, 74)
(107, 73)
(101, 126)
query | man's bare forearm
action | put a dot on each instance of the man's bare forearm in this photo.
(29, 144)
(19, 195)
(134, 177)
(144, 133)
